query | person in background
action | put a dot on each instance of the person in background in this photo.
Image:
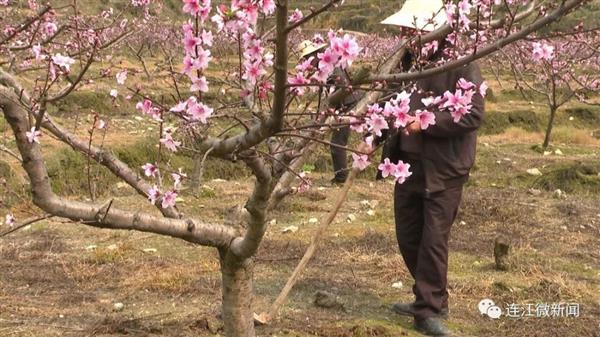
(340, 135)
(441, 157)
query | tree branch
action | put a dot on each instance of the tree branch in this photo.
(101, 156)
(282, 188)
(263, 129)
(24, 224)
(312, 15)
(538, 24)
(98, 215)
(257, 204)
(10, 153)
(26, 24)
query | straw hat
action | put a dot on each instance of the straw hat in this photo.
(421, 12)
(308, 47)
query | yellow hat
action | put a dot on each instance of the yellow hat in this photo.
(419, 12)
(308, 47)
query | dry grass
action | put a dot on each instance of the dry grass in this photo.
(571, 135)
(560, 135)
(170, 278)
(111, 254)
(514, 135)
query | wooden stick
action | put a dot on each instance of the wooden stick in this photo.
(25, 223)
(265, 317)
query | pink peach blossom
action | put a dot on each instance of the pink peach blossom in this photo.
(360, 162)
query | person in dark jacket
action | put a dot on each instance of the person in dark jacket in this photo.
(341, 134)
(441, 157)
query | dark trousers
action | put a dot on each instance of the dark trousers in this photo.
(423, 224)
(340, 137)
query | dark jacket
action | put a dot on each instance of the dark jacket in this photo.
(339, 78)
(447, 148)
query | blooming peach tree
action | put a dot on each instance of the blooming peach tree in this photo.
(266, 114)
(555, 68)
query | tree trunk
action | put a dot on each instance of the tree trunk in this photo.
(549, 129)
(196, 173)
(282, 188)
(238, 316)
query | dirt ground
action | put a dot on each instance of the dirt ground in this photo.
(64, 279)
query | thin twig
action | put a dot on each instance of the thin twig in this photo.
(10, 153)
(199, 171)
(25, 224)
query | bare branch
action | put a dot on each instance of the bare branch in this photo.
(10, 153)
(92, 214)
(282, 188)
(73, 85)
(101, 156)
(24, 224)
(198, 170)
(312, 15)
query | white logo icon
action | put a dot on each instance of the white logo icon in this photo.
(488, 308)
(494, 312)
(484, 305)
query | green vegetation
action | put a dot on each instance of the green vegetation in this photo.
(11, 186)
(585, 116)
(68, 169)
(3, 125)
(573, 177)
(509, 109)
(497, 122)
(85, 101)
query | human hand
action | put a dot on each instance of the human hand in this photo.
(413, 128)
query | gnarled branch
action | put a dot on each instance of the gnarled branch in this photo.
(92, 214)
(101, 156)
